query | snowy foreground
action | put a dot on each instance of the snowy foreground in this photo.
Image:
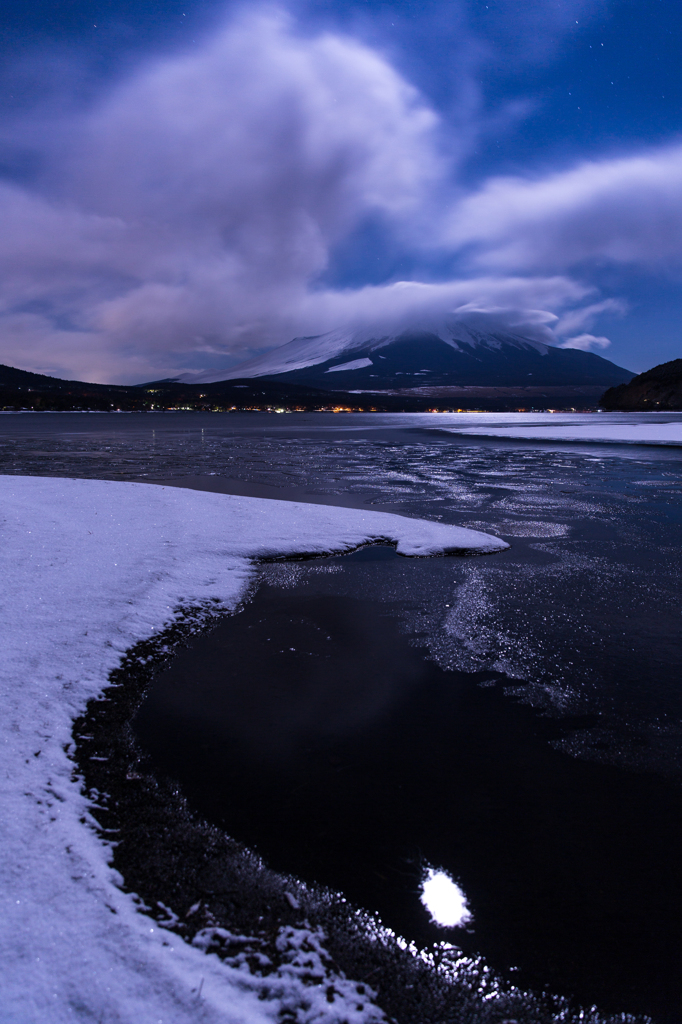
(89, 568)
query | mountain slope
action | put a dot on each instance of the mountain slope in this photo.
(452, 355)
(656, 390)
(12, 378)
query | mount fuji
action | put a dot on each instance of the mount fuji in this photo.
(450, 354)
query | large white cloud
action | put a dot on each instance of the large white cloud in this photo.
(195, 204)
(627, 210)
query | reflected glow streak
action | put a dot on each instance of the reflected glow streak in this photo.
(444, 900)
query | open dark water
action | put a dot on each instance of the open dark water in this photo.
(515, 719)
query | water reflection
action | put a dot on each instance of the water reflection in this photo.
(333, 677)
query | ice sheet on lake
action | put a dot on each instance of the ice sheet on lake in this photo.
(619, 428)
(89, 568)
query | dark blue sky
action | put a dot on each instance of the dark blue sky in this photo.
(576, 106)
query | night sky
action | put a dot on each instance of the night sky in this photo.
(184, 185)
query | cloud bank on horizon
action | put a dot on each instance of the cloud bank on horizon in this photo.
(190, 214)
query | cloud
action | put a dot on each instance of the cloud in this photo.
(585, 342)
(583, 317)
(518, 304)
(625, 211)
(184, 220)
(198, 201)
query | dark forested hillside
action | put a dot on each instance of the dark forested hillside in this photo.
(656, 390)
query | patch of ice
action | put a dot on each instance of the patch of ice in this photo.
(522, 528)
(622, 428)
(515, 528)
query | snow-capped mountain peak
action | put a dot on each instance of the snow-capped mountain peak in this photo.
(477, 351)
(356, 345)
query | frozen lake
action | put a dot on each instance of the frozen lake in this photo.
(515, 720)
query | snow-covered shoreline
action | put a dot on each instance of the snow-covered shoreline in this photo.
(89, 568)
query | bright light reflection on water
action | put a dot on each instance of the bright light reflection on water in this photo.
(444, 900)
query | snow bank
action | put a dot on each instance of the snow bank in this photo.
(88, 568)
